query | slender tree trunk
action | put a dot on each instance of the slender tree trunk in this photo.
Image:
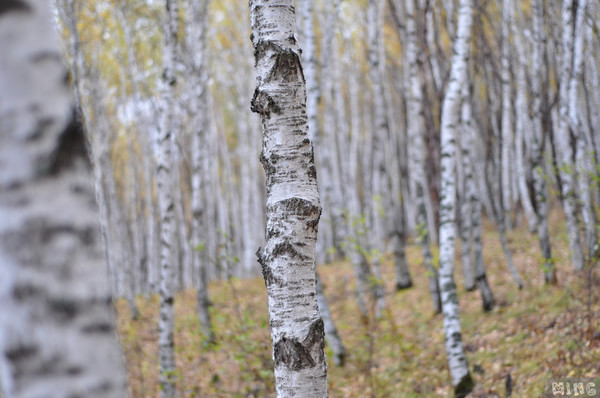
(584, 157)
(562, 138)
(415, 127)
(380, 127)
(465, 182)
(293, 208)
(357, 245)
(507, 117)
(457, 360)
(58, 335)
(523, 128)
(471, 195)
(331, 334)
(312, 95)
(166, 205)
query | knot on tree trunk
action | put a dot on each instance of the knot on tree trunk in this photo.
(263, 104)
(296, 355)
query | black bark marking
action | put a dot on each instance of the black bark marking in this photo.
(26, 291)
(263, 104)
(103, 388)
(13, 6)
(169, 300)
(287, 67)
(286, 247)
(74, 370)
(20, 353)
(46, 55)
(266, 270)
(297, 206)
(315, 336)
(64, 309)
(314, 223)
(100, 328)
(70, 147)
(292, 354)
(296, 355)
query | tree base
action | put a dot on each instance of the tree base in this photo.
(403, 285)
(470, 288)
(464, 387)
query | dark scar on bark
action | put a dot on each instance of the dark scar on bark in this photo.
(7, 6)
(296, 355)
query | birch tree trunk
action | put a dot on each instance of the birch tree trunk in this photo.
(166, 206)
(415, 127)
(58, 335)
(539, 173)
(312, 95)
(293, 209)
(522, 129)
(472, 216)
(507, 119)
(563, 145)
(380, 129)
(457, 360)
(584, 157)
(357, 242)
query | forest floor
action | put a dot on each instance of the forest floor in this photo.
(534, 334)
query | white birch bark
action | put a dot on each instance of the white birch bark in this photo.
(416, 153)
(357, 243)
(471, 196)
(507, 131)
(326, 148)
(57, 331)
(152, 244)
(457, 360)
(332, 337)
(584, 156)
(522, 132)
(144, 229)
(293, 208)
(465, 176)
(562, 139)
(68, 12)
(538, 165)
(166, 205)
(379, 195)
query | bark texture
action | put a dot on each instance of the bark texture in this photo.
(197, 31)
(293, 209)
(562, 139)
(57, 334)
(457, 360)
(538, 169)
(166, 206)
(416, 127)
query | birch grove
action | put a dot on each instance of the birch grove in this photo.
(425, 121)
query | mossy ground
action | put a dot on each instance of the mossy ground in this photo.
(534, 334)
